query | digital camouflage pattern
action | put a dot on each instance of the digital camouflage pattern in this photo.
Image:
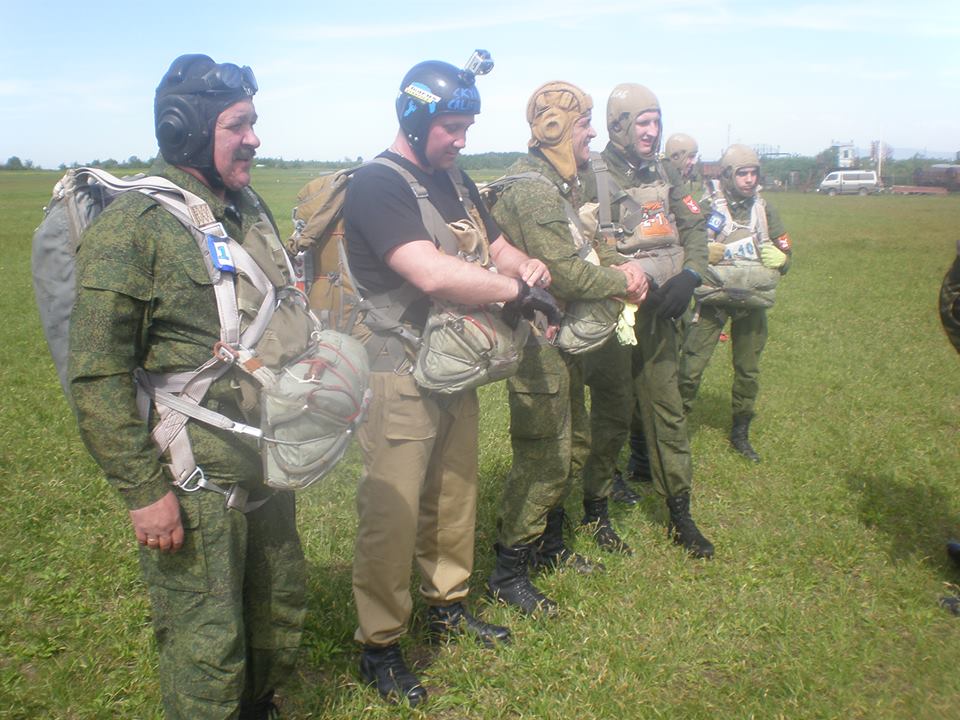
(549, 428)
(650, 366)
(228, 608)
(950, 302)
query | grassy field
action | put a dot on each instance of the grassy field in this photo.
(821, 601)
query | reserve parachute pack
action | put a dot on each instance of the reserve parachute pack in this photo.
(740, 279)
(308, 405)
(647, 230)
(460, 347)
(586, 324)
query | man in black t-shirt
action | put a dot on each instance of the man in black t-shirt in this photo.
(417, 497)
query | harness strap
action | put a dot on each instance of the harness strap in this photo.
(388, 351)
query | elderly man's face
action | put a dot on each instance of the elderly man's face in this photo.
(235, 144)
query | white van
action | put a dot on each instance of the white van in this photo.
(849, 182)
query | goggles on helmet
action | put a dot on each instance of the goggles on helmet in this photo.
(228, 78)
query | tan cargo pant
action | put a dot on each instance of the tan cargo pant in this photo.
(416, 501)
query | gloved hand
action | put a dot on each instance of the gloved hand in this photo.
(715, 252)
(772, 256)
(673, 297)
(528, 301)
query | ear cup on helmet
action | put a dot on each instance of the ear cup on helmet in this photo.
(550, 126)
(182, 131)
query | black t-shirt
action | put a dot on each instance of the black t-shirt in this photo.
(381, 212)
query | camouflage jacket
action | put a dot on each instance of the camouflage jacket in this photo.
(950, 302)
(145, 299)
(691, 223)
(532, 215)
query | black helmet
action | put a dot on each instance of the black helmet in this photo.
(190, 97)
(435, 88)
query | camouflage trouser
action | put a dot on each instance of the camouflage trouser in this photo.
(607, 371)
(228, 608)
(655, 367)
(550, 435)
(748, 333)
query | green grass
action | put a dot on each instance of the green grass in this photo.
(820, 603)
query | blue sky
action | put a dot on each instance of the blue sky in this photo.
(77, 79)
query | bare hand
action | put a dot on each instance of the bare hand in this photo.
(535, 273)
(637, 285)
(158, 525)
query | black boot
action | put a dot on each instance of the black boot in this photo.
(263, 709)
(622, 493)
(638, 467)
(596, 520)
(684, 530)
(550, 551)
(740, 437)
(385, 668)
(510, 584)
(449, 621)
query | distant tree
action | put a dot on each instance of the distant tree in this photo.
(14, 163)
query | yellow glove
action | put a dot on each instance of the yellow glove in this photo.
(625, 323)
(772, 256)
(715, 252)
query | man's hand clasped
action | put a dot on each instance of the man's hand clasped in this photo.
(158, 525)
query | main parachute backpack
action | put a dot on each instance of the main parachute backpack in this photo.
(308, 407)
(460, 347)
(317, 242)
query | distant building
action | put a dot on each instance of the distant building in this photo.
(845, 154)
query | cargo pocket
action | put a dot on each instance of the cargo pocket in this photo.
(535, 405)
(186, 569)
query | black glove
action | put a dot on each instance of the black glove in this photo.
(673, 297)
(528, 301)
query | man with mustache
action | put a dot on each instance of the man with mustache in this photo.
(219, 550)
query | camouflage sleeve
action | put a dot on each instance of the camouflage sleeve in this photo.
(950, 302)
(692, 226)
(532, 216)
(114, 285)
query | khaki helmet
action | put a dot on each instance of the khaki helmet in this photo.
(552, 111)
(736, 157)
(626, 102)
(679, 148)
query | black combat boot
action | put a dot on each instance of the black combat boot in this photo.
(596, 520)
(684, 530)
(263, 709)
(550, 551)
(449, 621)
(386, 668)
(510, 584)
(623, 493)
(740, 437)
(638, 467)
